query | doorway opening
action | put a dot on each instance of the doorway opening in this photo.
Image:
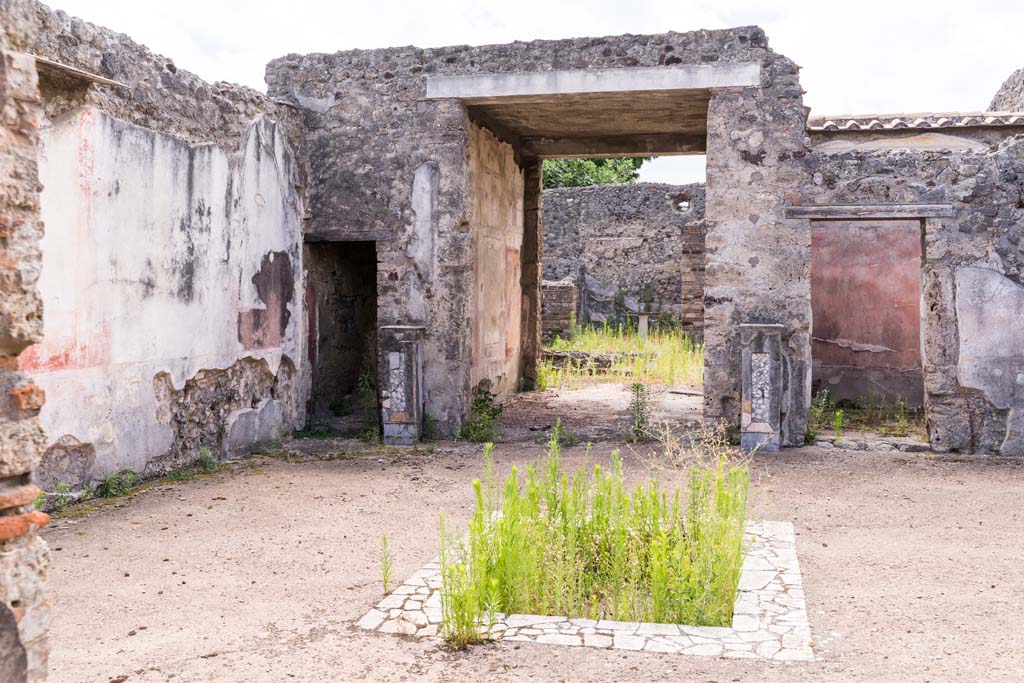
(622, 267)
(866, 341)
(341, 297)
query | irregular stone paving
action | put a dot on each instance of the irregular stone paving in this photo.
(872, 442)
(769, 620)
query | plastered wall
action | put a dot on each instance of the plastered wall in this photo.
(497, 226)
(171, 280)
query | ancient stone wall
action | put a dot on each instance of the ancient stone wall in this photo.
(972, 269)
(384, 163)
(160, 96)
(172, 265)
(629, 247)
(757, 261)
(24, 608)
(1010, 96)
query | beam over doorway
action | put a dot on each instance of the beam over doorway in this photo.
(525, 87)
(654, 144)
(869, 212)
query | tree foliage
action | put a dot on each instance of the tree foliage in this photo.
(582, 172)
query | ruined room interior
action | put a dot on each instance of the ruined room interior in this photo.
(221, 267)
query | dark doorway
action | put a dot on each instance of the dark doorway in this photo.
(342, 300)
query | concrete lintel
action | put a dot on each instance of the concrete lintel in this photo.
(656, 144)
(869, 212)
(480, 88)
(347, 236)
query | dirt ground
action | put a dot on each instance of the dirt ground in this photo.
(911, 564)
(596, 412)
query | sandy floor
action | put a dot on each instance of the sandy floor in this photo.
(911, 563)
(595, 411)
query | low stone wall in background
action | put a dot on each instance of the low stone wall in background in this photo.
(628, 247)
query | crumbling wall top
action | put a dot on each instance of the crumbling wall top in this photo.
(161, 96)
(291, 72)
(1010, 96)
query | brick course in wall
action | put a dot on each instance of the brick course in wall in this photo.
(24, 608)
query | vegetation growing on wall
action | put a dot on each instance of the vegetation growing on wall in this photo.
(582, 545)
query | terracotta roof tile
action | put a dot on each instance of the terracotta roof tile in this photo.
(925, 120)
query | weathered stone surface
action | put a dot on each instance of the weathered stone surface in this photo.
(203, 300)
(1010, 96)
(161, 96)
(383, 130)
(24, 610)
(990, 308)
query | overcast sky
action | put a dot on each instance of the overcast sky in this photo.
(857, 56)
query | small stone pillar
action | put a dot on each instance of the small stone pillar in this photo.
(762, 371)
(642, 325)
(401, 378)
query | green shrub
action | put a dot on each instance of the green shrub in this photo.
(837, 423)
(484, 423)
(386, 568)
(205, 462)
(63, 496)
(638, 411)
(565, 436)
(429, 432)
(314, 430)
(115, 485)
(583, 546)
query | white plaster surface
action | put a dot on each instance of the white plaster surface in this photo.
(572, 81)
(150, 248)
(769, 619)
(989, 311)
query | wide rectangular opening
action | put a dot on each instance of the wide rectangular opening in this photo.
(866, 303)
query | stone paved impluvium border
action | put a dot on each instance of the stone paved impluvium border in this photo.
(769, 620)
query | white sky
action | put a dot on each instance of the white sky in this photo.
(858, 56)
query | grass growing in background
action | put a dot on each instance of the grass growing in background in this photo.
(386, 566)
(582, 545)
(888, 418)
(664, 357)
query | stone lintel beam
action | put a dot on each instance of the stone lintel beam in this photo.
(651, 144)
(543, 85)
(347, 236)
(870, 212)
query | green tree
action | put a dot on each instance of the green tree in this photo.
(581, 172)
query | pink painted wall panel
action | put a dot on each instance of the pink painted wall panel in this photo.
(865, 297)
